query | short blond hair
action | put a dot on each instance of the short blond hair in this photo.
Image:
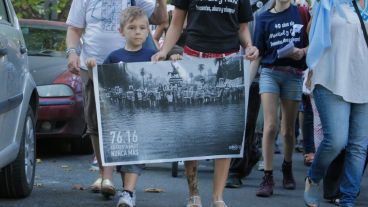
(130, 14)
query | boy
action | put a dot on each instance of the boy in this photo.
(134, 28)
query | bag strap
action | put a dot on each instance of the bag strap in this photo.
(361, 21)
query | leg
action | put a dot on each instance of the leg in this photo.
(270, 108)
(192, 179)
(356, 153)
(219, 178)
(289, 115)
(331, 108)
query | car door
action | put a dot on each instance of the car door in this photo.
(12, 62)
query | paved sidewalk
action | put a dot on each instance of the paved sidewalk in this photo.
(56, 176)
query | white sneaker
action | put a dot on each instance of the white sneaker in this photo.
(261, 165)
(126, 200)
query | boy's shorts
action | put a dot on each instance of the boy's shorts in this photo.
(287, 84)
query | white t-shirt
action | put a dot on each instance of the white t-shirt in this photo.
(342, 68)
(100, 19)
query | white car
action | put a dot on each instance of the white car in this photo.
(18, 109)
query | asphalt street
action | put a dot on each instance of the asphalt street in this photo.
(62, 180)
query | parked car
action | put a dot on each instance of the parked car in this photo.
(60, 113)
(18, 109)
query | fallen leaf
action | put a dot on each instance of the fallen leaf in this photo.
(78, 187)
(65, 166)
(153, 190)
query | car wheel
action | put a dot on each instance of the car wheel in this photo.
(18, 177)
(81, 145)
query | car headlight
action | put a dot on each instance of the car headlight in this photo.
(55, 90)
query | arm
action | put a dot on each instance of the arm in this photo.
(159, 31)
(251, 52)
(159, 14)
(173, 34)
(73, 36)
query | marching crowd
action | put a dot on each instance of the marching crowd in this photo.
(327, 36)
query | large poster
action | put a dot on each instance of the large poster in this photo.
(191, 109)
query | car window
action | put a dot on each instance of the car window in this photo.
(3, 13)
(45, 40)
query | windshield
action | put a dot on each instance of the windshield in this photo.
(44, 41)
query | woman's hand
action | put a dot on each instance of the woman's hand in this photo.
(73, 63)
(308, 82)
(90, 63)
(297, 54)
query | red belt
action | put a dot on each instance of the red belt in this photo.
(287, 69)
(195, 53)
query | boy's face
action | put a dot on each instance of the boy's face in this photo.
(135, 32)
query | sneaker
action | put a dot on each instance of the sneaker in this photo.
(266, 187)
(261, 165)
(288, 181)
(94, 165)
(311, 193)
(126, 200)
(233, 182)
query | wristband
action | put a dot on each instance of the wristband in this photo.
(70, 50)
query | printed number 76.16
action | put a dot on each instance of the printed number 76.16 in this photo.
(119, 138)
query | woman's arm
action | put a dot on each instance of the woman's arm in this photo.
(159, 31)
(172, 35)
(159, 14)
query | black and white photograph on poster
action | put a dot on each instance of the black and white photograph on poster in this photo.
(192, 109)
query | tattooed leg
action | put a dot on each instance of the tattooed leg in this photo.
(191, 172)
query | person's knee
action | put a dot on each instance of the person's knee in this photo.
(270, 129)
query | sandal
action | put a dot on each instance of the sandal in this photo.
(218, 204)
(308, 159)
(194, 201)
(107, 188)
(96, 186)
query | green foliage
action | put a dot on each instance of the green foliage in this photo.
(37, 9)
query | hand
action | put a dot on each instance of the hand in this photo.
(176, 57)
(74, 63)
(91, 63)
(297, 54)
(308, 82)
(160, 55)
(251, 53)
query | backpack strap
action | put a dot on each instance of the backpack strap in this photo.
(361, 21)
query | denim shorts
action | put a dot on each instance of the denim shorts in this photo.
(287, 84)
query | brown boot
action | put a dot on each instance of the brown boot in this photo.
(288, 181)
(266, 187)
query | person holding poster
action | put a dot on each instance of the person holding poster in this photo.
(134, 27)
(96, 23)
(279, 35)
(215, 29)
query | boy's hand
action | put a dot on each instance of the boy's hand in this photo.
(74, 63)
(251, 53)
(176, 57)
(160, 55)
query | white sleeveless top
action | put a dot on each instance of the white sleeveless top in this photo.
(343, 68)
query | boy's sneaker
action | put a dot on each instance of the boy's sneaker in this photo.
(126, 200)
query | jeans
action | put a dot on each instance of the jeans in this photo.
(345, 125)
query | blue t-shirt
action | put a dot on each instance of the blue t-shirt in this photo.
(122, 55)
(275, 30)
